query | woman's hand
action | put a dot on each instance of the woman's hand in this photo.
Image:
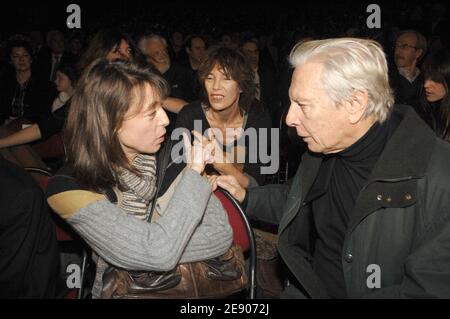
(229, 183)
(200, 153)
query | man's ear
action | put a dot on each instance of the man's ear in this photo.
(356, 106)
(419, 53)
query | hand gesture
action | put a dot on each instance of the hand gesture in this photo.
(200, 153)
(229, 183)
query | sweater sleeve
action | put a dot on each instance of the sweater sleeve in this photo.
(213, 235)
(134, 244)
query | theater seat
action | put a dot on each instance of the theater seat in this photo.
(65, 236)
(242, 234)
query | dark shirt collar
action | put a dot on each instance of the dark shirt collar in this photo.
(357, 160)
(369, 145)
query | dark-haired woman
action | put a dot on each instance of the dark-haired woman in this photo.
(228, 111)
(22, 94)
(66, 77)
(110, 44)
(435, 106)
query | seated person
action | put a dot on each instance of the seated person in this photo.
(367, 213)
(114, 130)
(47, 126)
(228, 106)
(28, 246)
(23, 94)
(112, 44)
(435, 101)
(405, 77)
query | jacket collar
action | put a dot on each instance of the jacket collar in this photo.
(406, 154)
(403, 161)
(393, 181)
(408, 151)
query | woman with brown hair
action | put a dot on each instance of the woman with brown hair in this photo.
(113, 45)
(110, 44)
(226, 110)
(114, 132)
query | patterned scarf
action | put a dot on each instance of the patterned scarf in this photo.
(140, 190)
(135, 200)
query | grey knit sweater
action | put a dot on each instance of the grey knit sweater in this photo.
(193, 227)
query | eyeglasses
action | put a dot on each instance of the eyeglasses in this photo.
(405, 46)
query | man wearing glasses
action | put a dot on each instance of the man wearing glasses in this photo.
(406, 80)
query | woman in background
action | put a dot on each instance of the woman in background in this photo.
(435, 96)
(23, 95)
(66, 77)
(112, 45)
(228, 107)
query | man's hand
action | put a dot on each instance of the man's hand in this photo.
(229, 183)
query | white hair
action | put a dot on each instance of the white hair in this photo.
(150, 37)
(350, 65)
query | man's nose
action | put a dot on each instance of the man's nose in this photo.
(290, 117)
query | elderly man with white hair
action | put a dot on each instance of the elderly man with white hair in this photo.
(368, 213)
(154, 47)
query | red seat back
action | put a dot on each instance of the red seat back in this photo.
(240, 236)
(42, 180)
(61, 233)
(51, 147)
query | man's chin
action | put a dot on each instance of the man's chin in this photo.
(311, 146)
(314, 147)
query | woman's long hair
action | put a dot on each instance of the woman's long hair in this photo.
(104, 94)
(70, 71)
(437, 69)
(100, 45)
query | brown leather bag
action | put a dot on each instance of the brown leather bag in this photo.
(213, 278)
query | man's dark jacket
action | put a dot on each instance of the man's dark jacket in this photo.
(43, 65)
(400, 231)
(406, 92)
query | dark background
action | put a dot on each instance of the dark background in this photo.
(201, 16)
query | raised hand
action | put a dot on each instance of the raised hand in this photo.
(200, 153)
